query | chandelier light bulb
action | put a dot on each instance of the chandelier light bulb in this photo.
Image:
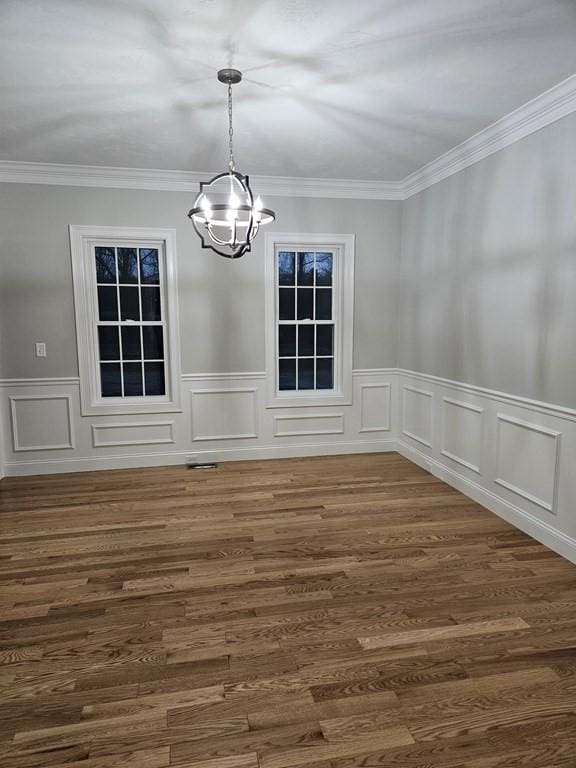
(258, 205)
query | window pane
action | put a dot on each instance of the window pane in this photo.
(305, 269)
(149, 271)
(305, 303)
(151, 304)
(305, 340)
(324, 373)
(107, 303)
(323, 303)
(287, 374)
(286, 268)
(323, 269)
(286, 340)
(324, 339)
(154, 377)
(153, 342)
(305, 374)
(127, 265)
(111, 384)
(132, 379)
(129, 304)
(108, 342)
(105, 265)
(131, 349)
(286, 306)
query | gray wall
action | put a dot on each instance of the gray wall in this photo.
(487, 280)
(221, 301)
(489, 271)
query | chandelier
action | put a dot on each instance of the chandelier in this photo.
(225, 214)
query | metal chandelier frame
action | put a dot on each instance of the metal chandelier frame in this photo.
(228, 228)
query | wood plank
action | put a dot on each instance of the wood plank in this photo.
(442, 633)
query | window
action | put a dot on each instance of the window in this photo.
(130, 321)
(310, 296)
(305, 320)
(125, 294)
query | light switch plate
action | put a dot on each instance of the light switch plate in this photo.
(40, 349)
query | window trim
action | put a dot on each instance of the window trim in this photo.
(343, 311)
(84, 279)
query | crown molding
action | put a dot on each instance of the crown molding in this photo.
(13, 171)
(559, 101)
(355, 189)
(18, 172)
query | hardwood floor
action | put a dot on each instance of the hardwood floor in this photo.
(329, 612)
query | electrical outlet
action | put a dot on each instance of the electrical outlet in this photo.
(40, 349)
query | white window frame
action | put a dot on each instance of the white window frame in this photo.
(82, 240)
(343, 247)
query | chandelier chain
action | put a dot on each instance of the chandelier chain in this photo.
(230, 130)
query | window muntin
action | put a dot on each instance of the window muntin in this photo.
(130, 321)
(305, 320)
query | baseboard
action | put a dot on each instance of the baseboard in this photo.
(171, 458)
(559, 542)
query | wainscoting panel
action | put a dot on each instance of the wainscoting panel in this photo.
(130, 433)
(41, 422)
(417, 414)
(224, 414)
(375, 407)
(512, 455)
(309, 424)
(223, 417)
(462, 428)
(527, 458)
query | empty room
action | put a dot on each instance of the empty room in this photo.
(287, 384)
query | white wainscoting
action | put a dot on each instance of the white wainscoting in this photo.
(41, 422)
(223, 417)
(527, 460)
(462, 430)
(226, 413)
(417, 414)
(375, 407)
(309, 424)
(513, 455)
(132, 433)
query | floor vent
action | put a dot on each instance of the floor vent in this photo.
(204, 465)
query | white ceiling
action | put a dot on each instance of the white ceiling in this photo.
(371, 89)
